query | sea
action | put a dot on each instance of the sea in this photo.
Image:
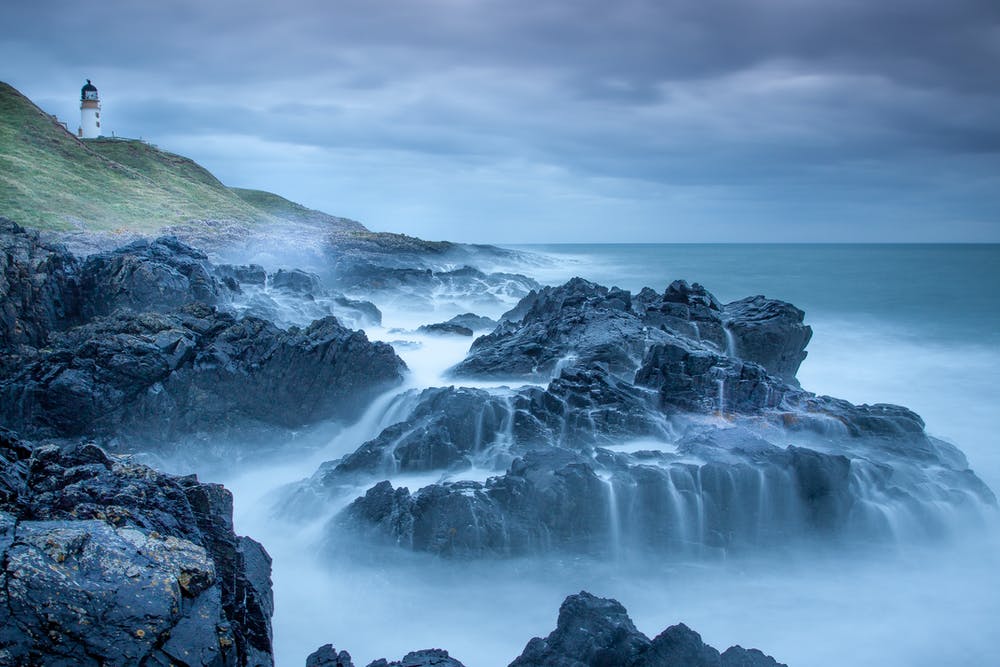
(916, 325)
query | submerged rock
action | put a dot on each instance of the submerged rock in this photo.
(108, 562)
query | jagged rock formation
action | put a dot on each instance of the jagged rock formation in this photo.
(581, 322)
(590, 632)
(146, 276)
(165, 362)
(38, 284)
(164, 375)
(109, 562)
(593, 631)
(737, 458)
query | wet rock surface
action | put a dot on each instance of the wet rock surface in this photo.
(594, 631)
(728, 456)
(109, 562)
(166, 374)
(581, 322)
(590, 632)
(39, 284)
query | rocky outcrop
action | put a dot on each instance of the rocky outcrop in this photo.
(327, 656)
(144, 276)
(455, 428)
(579, 322)
(590, 632)
(769, 333)
(593, 631)
(109, 562)
(445, 329)
(474, 322)
(163, 375)
(39, 287)
(582, 322)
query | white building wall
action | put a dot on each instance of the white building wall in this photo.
(90, 124)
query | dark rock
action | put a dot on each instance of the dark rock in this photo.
(597, 632)
(678, 645)
(579, 322)
(445, 328)
(245, 274)
(769, 333)
(108, 562)
(689, 310)
(164, 375)
(431, 657)
(590, 632)
(39, 287)
(737, 656)
(473, 321)
(327, 656)
(296, 280)
(366, 310)
(457, 427)
(145, 276)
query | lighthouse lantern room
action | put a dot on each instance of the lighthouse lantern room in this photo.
(90, 112)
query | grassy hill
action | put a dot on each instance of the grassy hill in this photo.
(51, 180)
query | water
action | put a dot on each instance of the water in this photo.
(915, 325)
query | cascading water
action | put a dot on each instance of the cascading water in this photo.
(694, 509)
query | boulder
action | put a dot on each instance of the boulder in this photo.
(295, 280)
(769, 333)
(157, 275)
(109, 562)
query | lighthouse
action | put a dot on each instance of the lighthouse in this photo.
(90, 112)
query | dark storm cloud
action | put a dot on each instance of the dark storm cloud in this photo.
(686, 109)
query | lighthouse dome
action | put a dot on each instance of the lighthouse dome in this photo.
(89, 91)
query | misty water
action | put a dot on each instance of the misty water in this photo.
(913, 325)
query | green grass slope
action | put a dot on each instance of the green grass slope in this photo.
(51, 180)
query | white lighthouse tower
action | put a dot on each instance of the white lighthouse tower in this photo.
(90, 112)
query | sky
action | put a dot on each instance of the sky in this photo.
(515, 121)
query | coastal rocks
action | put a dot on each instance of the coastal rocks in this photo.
(445, 329)
(473, 321)
(456, 428)
(582, 322)
(715, 491)
(146, 276)
(327, 656)
(593, 631)
(109, 562)
(590, 632)
(431, 657)
(579, 322)
(196, 369)
(39, 290)
(769, 333)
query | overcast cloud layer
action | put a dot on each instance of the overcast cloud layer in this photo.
(637, 120)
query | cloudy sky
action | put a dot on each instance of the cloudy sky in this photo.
(557, 121)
